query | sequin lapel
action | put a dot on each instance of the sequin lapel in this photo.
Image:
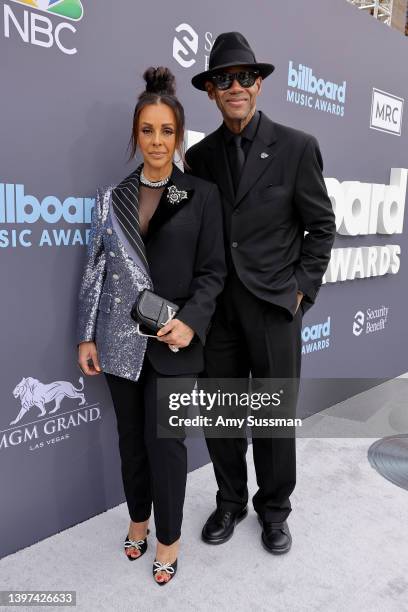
(125, 201)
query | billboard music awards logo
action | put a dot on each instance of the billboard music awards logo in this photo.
(316, 337)
(186, 46)
(36, 29)
(371, 321)
(306, 89)
(364, 209)
(35, 403)
(18, 208)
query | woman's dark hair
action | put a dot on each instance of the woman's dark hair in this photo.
(160, 89)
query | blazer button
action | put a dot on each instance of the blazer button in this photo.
(115, 276)
(118, 300)
(111, 253)
(234, 245)
(109, 231)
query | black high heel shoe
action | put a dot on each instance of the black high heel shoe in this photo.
(138, 544)
(169, 568)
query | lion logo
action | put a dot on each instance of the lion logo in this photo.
(32, 392)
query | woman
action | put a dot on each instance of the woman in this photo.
(159, 229)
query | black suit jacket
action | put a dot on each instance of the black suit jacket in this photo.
(185, 252)
(281, 195)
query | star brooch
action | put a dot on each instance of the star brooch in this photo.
(174, 195)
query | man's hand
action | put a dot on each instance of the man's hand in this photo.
(176, 333)
(299, 298)
(87, 352)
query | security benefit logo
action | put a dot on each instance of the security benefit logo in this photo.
(316, 337)
(370, 321)
(33, 27)
(315, 92)
(189, 48)
(27, 220)
(40, 421)
(367, 209)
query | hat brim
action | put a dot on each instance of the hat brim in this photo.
(199, 79)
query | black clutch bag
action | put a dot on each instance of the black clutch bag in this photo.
(151, 312)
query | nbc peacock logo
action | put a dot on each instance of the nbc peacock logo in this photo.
(70, 9)
(34, 28)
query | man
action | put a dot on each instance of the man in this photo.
(270, 178)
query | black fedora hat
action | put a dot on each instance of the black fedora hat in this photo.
(230, 49)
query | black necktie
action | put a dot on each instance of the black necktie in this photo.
(238, 160)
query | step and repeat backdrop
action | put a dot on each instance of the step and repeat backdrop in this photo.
(70, 73)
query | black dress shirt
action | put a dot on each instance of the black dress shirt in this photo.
(248, 134)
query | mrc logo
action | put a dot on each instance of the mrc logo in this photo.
(36, 29)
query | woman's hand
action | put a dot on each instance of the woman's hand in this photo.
(87, 352)
(176, 333)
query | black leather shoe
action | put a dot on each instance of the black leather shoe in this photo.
(276, 537)
(221, 524)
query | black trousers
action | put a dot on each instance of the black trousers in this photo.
(252, 335)
(154, 470)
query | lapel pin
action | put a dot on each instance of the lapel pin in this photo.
(174, 195)
(264, 155)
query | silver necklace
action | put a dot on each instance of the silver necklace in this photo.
(154, 184)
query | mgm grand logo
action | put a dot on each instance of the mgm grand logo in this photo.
(34, 397)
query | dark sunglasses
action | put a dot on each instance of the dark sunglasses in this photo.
(224, 80)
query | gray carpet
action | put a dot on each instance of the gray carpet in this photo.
(350, 549)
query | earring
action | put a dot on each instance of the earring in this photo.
(177, 161)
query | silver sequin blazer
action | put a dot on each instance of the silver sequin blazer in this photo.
(113, 277)
(185, 235)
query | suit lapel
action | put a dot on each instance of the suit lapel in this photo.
(219, 165)
(260, 156)
(173, 199)
(125, 204)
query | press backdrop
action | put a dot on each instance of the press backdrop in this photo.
(70, 75)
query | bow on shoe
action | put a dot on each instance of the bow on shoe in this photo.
(163, 567)
(137, 544)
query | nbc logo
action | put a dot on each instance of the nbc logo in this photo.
(36, 29)
(70, 9)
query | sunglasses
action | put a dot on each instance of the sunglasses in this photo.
(224, 80)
